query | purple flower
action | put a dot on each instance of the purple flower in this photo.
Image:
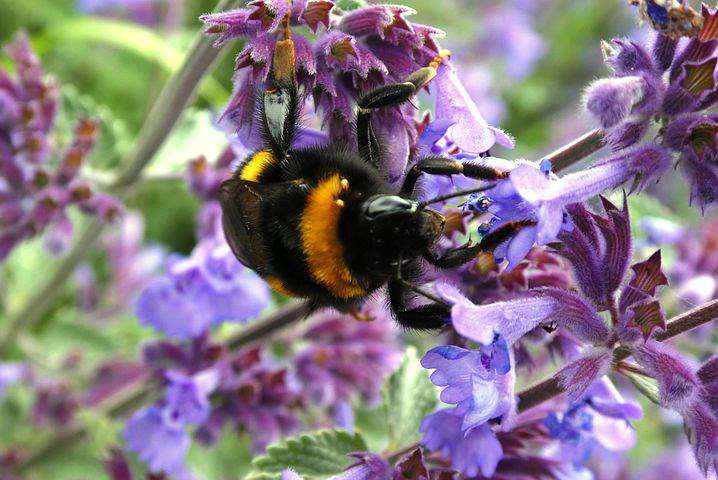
(255, 395)
(38, 180)
(473, 383)
(520, 46)
(187, 397)
(206, 289)
(469, 131)
(345, 357)
(549, 196)
(509, 319)
(162, 446)
(475, 452)
(582, 372)
(610, 100)
(661, 231)
(599, 249)
(11, 373)
(369, 466)
(626, 104)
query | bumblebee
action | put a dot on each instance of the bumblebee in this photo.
(322, 223)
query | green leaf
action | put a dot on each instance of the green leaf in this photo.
(648, 386)
(408, 396)
(313, 455)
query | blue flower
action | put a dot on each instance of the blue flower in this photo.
(186, 396)
(473, 383)
(468, 130)
(206, 289)
(162, 446)
(477, 451)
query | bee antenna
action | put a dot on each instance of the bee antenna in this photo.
(460, 193)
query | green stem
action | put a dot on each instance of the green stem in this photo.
(682, 323)
(165, 112)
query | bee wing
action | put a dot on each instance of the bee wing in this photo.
(241, 215)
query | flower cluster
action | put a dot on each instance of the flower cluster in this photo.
(671, 82)
(258, 392)
(480, 382)
(38, 181)
(354, 51)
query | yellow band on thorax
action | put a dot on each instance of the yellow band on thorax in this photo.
(321, 243)
(255, 166)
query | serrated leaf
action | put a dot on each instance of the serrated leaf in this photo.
(408, 396)
(646, 385)
(314, 455)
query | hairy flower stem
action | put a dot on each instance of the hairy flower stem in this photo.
(163, 116)
(682, 323)
(135, 396)
(582, 147)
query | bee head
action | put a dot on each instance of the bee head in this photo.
(397, 224)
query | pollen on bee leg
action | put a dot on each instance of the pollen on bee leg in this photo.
(345, 184)
(339, 202)
(362, 317)
(485, 262)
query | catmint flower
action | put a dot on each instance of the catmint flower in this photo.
(206, 289)
(158, 433)
(480, 384)
(661, 231)
(683, 389)
(187, 397)
(475, 452)
(469, 131)
(345, 357)
(509, 319)
(599, 249)
(626, 104)
(695, 277)
(160, 445)
(39, 181)
(354, 51)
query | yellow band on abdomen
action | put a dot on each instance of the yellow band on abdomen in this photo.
(320, 240)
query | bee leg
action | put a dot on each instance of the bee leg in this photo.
(388, 96)
(454, 257)
(458, 256)
(437, 165)
(432, 316)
